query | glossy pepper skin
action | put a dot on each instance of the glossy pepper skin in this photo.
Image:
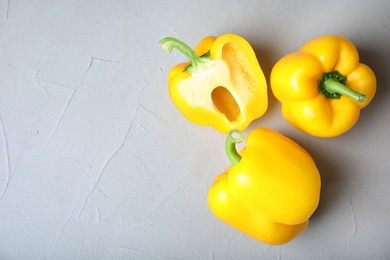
(322, 86)
(270, 191)
(222, 86)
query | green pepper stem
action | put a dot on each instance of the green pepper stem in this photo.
(233, 137)
(169, 43)
(332, 85)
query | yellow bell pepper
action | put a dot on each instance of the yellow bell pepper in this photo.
(322, 86)
(270, 191)
(222, 86)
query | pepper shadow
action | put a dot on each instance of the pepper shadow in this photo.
(378, 59)
(334, 182)
(266, 59)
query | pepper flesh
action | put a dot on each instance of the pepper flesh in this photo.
(271, 192)
(295, 81)
(225, 90)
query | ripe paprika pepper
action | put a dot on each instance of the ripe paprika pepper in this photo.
(322, 86)
(270, 191)
(222, 86)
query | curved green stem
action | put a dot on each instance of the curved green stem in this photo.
(233, 137)
(169, 43)
(332, 85)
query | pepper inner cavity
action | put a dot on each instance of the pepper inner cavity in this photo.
(225, 103)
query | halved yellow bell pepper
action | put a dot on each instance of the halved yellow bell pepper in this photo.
(322, 86)
(270, 191)
(222, 86)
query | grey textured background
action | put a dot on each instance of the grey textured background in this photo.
(97, 163)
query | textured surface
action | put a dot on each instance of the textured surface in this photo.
(97, 163)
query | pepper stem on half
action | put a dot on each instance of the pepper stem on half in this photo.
(332, 85)
(233, 137)
(169, 43)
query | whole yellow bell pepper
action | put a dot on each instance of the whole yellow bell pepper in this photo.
(222, 86)
(322, 86)
(270, 191)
